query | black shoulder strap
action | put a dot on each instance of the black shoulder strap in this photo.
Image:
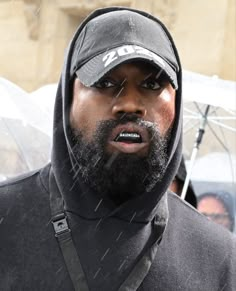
(142, 267)
(63, 235)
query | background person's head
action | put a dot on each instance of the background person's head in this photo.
(218, 206)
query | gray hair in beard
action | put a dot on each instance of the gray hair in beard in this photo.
(119, 176)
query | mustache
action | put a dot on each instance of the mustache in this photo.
(131, 117)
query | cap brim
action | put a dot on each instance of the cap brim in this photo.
(93, 70)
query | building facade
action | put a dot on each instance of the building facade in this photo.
(34, 35)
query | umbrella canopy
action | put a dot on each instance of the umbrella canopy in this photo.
(17, 104)
(209, 130)
(209, 90)
(24, 132)
(44, 98)
(215, 167)
(209, 103)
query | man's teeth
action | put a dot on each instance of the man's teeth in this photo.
(131, 137)
(128, 134)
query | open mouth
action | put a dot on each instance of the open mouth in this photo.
(129, 138)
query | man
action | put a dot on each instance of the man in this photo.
(116, 148)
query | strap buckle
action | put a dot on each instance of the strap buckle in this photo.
(60, 224)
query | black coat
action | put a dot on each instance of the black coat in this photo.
(194, 254)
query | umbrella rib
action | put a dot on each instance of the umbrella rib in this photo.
(222, 125)
(198, 108)
(191, 111)
(219, 140)
(186, 130)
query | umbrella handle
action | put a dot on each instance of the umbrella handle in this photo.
(197, 143)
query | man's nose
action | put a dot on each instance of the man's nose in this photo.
(129, 101)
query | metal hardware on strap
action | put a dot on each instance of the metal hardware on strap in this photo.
(60, 224)
(63, 235)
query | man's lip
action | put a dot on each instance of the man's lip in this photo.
(130, 127)
(128, 148)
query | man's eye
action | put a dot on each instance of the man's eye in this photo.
(151, 84)
(105, 83)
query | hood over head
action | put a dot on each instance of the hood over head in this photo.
(98, 46)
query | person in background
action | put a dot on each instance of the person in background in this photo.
(178, 183)
(219, 207)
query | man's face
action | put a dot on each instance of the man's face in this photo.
(120, 129)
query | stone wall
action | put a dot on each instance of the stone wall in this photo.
(34, 35)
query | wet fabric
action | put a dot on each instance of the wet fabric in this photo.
(188, 258)
(191, 253)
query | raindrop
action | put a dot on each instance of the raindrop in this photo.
(74, 165)
(121, 88)
(149, 75)
(118, 94)
(75, 174)
(106, 252)
(73, 185)
(144, 178)
(100, 220)
(132, 217)
(154, 135)
(123, 115)
(49, 222)
(59, 270)
(121, 266)
(123, 82)
(95, 275)
(91, 46)
(98, 205)
(158, 74)
(119, 236)
(111, 160)
(99, 158)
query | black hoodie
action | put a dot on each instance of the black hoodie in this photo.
(154, 243)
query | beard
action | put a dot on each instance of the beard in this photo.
(119, 176)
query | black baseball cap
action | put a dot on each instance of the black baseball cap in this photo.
(117, 37)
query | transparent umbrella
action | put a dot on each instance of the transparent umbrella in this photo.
(209, 130)
(24, 132)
